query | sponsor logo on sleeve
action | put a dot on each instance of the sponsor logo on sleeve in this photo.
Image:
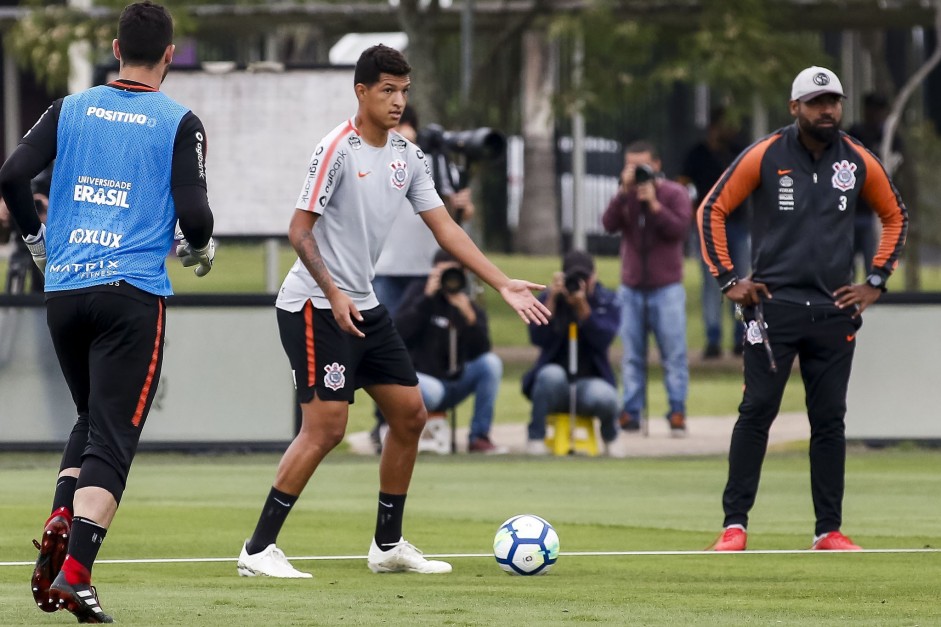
(200, 159)
(333, 173)
(399, 144)
(311, 173)
(355, 142)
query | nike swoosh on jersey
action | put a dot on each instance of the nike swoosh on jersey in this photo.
(850, 338)
(783, 172)
(363, 174)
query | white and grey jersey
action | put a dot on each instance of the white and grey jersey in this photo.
(411, 247)
(358, 190)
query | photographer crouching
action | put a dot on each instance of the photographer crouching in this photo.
(447, 336)
(575, 295)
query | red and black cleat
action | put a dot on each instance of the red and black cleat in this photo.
(81, 599)
(52, 551)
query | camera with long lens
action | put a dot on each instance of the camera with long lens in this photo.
(474, 144)
(643, 173)
(573, 281)
(453, 280)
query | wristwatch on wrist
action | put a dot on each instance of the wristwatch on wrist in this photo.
(732, 282)
(876, 281)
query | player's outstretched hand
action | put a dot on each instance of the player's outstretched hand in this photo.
(344, 312)
(199, 257)
(519, 295)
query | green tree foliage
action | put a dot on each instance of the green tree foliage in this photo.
(732, 46)
(41, 40)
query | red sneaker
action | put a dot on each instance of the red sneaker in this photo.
(732, 539)
(835, 541)
(52, 552)
(677, 424)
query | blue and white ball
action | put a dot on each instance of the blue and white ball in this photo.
(526, 545)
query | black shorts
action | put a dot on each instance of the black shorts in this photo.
(334, 363)
(109, 341)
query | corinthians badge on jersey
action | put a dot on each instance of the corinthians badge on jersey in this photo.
(844, 177)
(399, 173)
(334, 379)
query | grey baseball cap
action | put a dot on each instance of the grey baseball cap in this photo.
(815, 81)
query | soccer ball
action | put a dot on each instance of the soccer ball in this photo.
(526, 545)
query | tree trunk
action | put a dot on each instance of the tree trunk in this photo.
(538, 230)
(419, 25)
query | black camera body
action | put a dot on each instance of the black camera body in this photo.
(643, 173)
(479, 143)
(453, 280)
(573, 281)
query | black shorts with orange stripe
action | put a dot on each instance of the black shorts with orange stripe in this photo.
(109, 340)
(334, 364)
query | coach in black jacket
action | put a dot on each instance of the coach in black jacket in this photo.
(428, 316)
(800, 301)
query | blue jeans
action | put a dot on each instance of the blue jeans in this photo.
(666, 317)
(480, 377)
(593, 397)
(390, 289)
(737, 238)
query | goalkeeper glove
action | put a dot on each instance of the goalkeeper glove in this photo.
(190, 256)
(37, 247)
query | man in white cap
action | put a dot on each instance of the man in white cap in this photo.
(805, 181)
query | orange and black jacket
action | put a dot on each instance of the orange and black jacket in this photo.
(803, 211)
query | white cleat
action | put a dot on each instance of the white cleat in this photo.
(269, 563)
(402, 557)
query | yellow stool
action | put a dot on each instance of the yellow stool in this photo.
(558, 440)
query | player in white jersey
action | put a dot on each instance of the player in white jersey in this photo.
(336, 334)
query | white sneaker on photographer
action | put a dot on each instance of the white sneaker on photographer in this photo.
(403, 557)
(269, 563)
(436, 437)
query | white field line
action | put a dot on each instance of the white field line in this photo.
(199, 560)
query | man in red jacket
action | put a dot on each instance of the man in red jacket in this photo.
(653, 216)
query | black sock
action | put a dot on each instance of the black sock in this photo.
(389, 520)
(85, 541)
(277, 507)
(65, 493)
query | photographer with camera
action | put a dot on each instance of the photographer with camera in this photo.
(448, 339)
(410, 246)
(653, 216)
(574, 295)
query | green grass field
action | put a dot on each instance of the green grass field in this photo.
(188, 507)
(204, 506)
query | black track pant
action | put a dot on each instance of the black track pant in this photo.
(110, 348)
(824, 339)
